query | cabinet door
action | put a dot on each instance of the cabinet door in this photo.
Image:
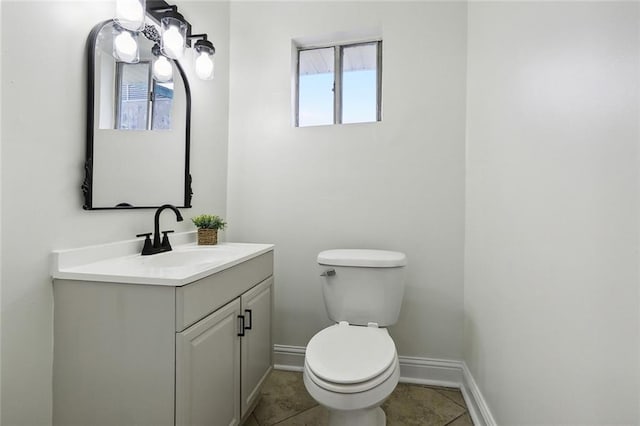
(257, 346)
(208, 370)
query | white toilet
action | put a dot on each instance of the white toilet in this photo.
(352, 366)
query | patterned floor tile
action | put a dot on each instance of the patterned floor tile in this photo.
(316, 416)
(453, 394)
(283, 396)
(285, 402)
(411, 405)
(463, 420)
(251, 421)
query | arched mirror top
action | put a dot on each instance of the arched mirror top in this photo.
(139, 108)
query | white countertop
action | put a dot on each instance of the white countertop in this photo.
(121, 262)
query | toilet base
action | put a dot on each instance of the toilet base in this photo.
(368, 417)
(354, 409)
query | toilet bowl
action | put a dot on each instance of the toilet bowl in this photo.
(351, 370)
(352, 367)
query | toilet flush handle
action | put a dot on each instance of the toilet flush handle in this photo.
(328, 273)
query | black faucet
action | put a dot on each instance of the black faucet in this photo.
(159, 246)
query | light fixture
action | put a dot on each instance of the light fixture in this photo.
(130, 14)
(125, 46)
(172, 40)
(204, 52)
(162, 68)
(173, 34)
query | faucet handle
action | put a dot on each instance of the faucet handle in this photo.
(165, 239)
(147, 243)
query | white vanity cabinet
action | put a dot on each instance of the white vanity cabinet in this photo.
(143, 354)
(238, 338)
(208, 370)
(257, 345)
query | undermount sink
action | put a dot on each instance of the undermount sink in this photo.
(122, 262)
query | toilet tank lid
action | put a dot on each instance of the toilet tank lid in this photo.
(362, 258)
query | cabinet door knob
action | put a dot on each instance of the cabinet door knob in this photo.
(241, 332)
(249, 319)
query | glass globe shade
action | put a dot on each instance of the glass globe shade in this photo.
(126, 47)
(130, 14)
(162, 69)
(204, 66)
(173, 42)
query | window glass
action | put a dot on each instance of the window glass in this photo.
(315, 87)
(133, 89)
(162, 101)
(359, 83)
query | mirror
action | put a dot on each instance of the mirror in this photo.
(137, 128)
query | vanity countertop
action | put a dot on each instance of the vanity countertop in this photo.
(122, 263)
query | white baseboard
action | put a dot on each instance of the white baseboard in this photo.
(424, 371)
(289, 358)
(474, 399)
(429, 371)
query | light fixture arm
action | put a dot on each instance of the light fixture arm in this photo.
(202, 43)
(202, 36)
(156, 8)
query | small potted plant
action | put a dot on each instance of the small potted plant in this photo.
(208, 226)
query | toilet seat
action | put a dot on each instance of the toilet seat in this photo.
(346, 359)
(354, 387)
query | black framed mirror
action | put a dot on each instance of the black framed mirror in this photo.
(138, 129)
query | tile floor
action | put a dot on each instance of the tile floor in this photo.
(285, 402)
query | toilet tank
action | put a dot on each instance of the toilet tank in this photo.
(362, 286)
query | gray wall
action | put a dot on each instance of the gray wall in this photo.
(551, 277)
(397, 184)
(43, 147)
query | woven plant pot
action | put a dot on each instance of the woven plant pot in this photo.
(207, 237)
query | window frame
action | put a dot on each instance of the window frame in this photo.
(338, 56)
(152, 85)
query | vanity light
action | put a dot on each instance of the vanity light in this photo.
(125, 46)
(173, 35)
(130, 14)
(204, 52)
(162, 68)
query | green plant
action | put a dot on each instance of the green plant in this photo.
(208, 221)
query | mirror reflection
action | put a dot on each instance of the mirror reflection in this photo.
(138, 134)
(141, 102)
(130, 96)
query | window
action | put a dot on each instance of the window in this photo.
(143, 103)
(133, 88)
(161, 105)
(339, 84)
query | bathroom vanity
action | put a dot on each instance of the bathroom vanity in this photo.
(179, 338)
